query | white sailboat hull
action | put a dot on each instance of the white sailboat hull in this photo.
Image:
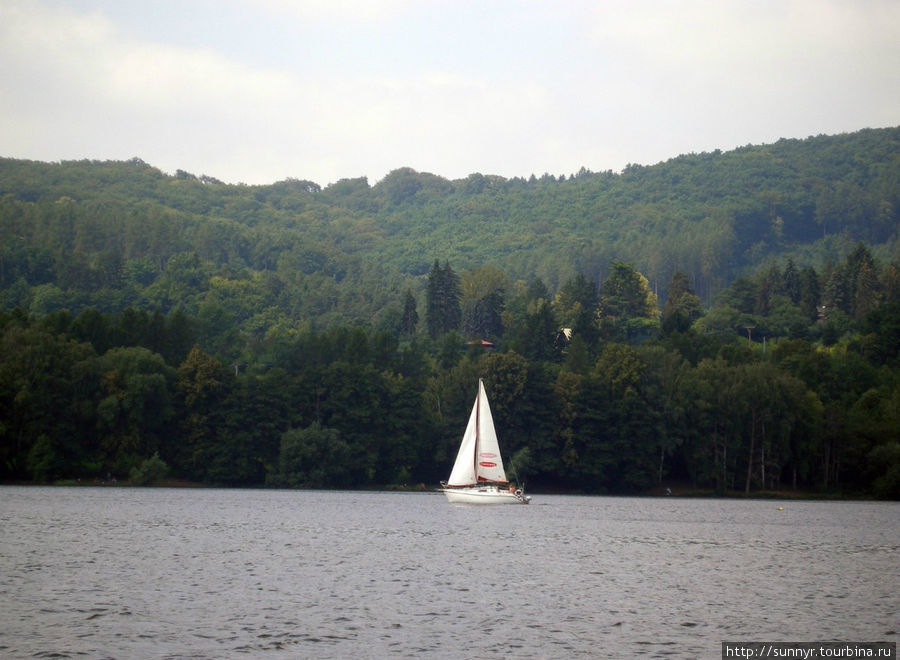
(484, 495)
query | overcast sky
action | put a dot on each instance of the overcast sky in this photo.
(257, 91)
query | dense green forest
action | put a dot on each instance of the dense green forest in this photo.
(726, 321)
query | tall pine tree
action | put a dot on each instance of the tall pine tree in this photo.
(442, 300)
(410, 315)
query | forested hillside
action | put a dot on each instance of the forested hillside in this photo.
(725, 321)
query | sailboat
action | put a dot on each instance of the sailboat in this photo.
(478, 476)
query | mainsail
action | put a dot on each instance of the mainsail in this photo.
(479, 458)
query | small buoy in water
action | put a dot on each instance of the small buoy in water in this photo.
(781, 508)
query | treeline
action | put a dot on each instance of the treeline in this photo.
(726, 321)
(593, 388)
(113, 235)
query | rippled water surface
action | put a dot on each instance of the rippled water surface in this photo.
(151, 573)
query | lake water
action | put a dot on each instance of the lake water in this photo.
(155, 573)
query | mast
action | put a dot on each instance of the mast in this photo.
(477, 429)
